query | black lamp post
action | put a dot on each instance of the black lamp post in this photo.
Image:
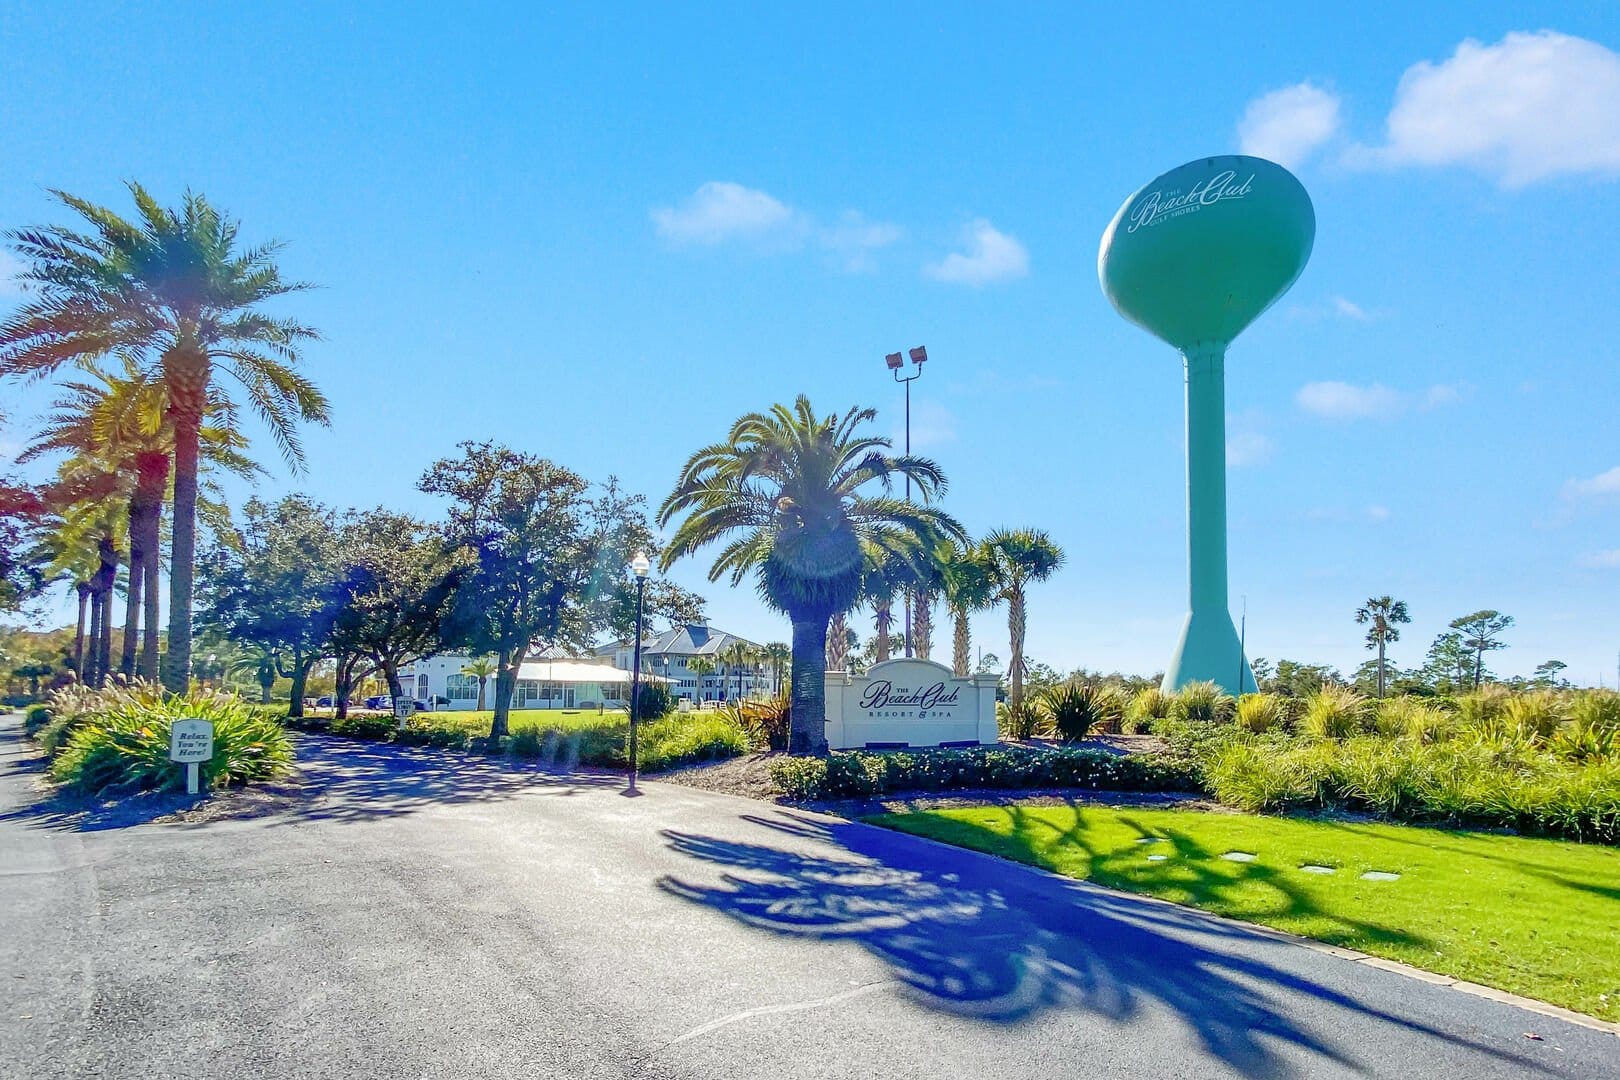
(894, 360)
(640, 565)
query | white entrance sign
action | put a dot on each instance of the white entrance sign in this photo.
(191, 742)
(404, 707)
(910, 703)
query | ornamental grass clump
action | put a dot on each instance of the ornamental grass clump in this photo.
(1333, 712)
(1076, 708)
(1592, 731)
(1533, 717)
(1148, 706)
(1260, 712)
(1202, 703)
(120, 742)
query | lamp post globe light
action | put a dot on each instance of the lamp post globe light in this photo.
(895, 362)
(640, 565)
(1193, 258)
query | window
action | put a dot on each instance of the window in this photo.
(461, 688)
(527, 690)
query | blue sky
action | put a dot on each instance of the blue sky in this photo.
(600, 234)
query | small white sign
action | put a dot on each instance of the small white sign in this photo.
(191, 741)
(404, 707)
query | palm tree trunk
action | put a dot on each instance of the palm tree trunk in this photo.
(837, 644)
(922, 623)
(154, 478)
(1380, 667)
(482, 679)
(962, 643)
(137, 581)
(87, 673)
(807, 723)
(78, 634)
(1015, 669)
(104, 657)
(187, 378)
(106, 579)
(884, 620)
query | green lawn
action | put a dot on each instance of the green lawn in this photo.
(477, 722)
(1534, 917)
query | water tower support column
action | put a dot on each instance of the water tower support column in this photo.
(1209, 647)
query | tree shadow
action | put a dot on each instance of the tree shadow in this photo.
(336, 779)
(978, 939)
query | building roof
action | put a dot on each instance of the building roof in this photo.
(693, 639)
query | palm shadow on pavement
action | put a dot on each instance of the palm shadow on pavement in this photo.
(990, 941)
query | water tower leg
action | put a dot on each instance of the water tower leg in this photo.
(1209, 648)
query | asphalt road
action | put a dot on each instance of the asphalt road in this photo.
(428, 915)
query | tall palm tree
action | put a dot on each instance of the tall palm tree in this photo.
(121, 421)
(786, 489)
(777, 654)
(1014, 559)
(175, 289)
(481, 669)
(1383, 613)
(737, 657)
(840, 642)
(968, 588)
(701, 666)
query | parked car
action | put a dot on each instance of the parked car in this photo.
(380, 701)
(325, 703)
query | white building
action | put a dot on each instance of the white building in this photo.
(544, 682)
(671, 655)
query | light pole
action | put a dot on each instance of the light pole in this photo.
(918, 356)
(640, 565)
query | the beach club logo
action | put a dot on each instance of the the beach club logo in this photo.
(1158, 206)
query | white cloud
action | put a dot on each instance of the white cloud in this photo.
(854, 238)
(1604, 483)
(1532, 106)
(1287, 125)
(720, 211)
(1350, 309)
(991, 255)
(1602, 560)
(1247, 444)
(1378, 513)
(1346, 401)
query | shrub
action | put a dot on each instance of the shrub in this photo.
(1593, 729)
(1482, 710)
(1246, 776)
(656, 702)
(121, 741)
(765, 722)
(35, 718)
(1333, 712)
(1147, 706)
(683, 740)
(365, 726)
(67, 709)
(1533, 717)
(1260, 712)
(1202, 703)
(861, 773)
(1016, 724)
(1076, 708)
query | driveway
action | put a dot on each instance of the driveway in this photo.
(414, 913)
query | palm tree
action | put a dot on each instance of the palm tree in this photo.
(777, 654)
(121, 421)
(1383, 613)
(737, 657)
(968, 588)
(1014, 558)
(175, 289)
(785, 489)
(481, 669)
(701, 666)
(841, 641)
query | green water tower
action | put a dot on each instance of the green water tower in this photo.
(1193, 258)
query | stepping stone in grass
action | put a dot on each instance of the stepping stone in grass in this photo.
(1150, 839)
(1238, 856)
(1380, 875)
(1312, 868)
(1157, 858)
